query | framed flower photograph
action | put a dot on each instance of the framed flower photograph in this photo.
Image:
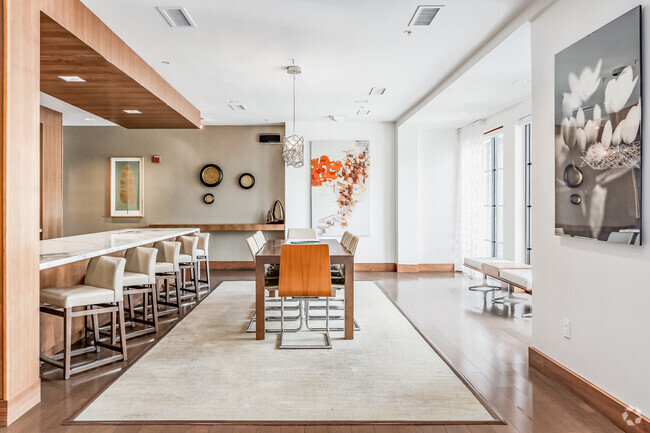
(598, 141)
(127, 187)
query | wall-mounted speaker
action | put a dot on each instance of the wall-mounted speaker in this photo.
(270, 138)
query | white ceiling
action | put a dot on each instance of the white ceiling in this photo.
(499, 80)
(240, 49)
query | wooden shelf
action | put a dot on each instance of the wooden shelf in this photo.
(225, 227)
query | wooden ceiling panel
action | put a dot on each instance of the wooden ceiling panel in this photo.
(108, 90)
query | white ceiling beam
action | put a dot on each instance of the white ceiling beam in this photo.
(528, 13)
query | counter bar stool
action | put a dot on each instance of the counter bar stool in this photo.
(101, 293)
(203, 256)
(305, 275)
(140, 278)
(167, 268)
(188, 261)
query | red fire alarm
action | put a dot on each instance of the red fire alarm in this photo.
(156, 158)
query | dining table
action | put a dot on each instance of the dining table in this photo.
(270, 255)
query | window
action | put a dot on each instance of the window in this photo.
(493, 203)
(528, 148)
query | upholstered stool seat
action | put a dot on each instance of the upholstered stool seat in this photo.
(77, 296)
(164, 267)
(135, 279)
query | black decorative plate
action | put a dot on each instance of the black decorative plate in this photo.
(208, 199)
(246, 181)
(211, 175)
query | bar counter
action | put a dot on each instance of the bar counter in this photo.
(64, 260)
(70, 249)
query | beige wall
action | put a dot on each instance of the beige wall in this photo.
(173, 192)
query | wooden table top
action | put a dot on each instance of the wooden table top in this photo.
(273, 246)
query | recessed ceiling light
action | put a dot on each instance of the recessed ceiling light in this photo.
(363, 112)
(165, 62)
(361, 101)
(521, 82)
(423, 15)
(89, 119)
(72, 79)
(377, 91)
(337, 117)
(177, 16)
(231, 101)
(132, 111)
(237, 107)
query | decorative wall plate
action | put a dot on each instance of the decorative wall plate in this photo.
(246, 181)
(208, 199)
(211, 175)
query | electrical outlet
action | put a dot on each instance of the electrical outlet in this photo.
(566, 329)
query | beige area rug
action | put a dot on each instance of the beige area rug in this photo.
(209, 369)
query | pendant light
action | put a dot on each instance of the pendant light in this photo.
(293, 146)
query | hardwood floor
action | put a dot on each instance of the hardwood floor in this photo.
(487, 344)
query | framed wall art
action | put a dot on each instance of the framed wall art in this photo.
(127, 187)
(340, 199)
(598, 142)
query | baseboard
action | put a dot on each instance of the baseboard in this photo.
(375, 267)
(13, 409)
(612, 408)
(359, 267)
(424, 267)
(235, 265)
(437, 267)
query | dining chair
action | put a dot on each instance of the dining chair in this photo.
(259, 238)
(338, 285)
(305, 275)
(100, 293)
(310, 234)
(271, 289)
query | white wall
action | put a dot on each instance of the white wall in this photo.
(407, 195)
(513, 177)
(380, 246)
(602, 288)
(437, 166)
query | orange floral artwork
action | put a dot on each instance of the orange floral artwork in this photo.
(323, 170)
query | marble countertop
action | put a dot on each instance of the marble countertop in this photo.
(61, 251)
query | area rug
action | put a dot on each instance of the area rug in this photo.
(208, 369)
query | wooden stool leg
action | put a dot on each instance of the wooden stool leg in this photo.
(178, 292)
(154, 309)
(95, 320)
(67, 343)
(166, 290)
(207, 272)
(195, 273)
(120, 313)
(131, 309)
(113, 330)
(145, 305)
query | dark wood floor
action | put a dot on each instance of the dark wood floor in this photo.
(487, 344)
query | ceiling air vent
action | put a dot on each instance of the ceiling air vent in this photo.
(177, 16)
(424, 15)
